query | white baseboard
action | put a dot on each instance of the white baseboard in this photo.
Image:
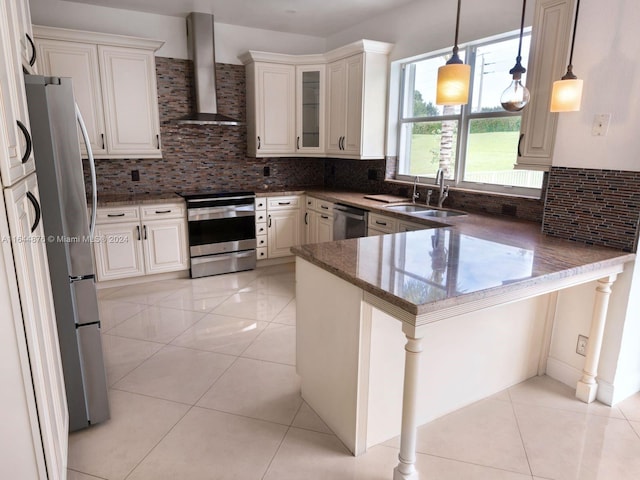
(123, 282)
(608, 393)
(563, 372)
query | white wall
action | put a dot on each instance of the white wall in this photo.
(231, 40)
(606, 57)
(424, 26)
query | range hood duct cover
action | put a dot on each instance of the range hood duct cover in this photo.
(201, 47)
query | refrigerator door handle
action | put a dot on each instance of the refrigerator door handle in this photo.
(92, 168)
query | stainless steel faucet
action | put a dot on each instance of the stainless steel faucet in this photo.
(444, 189)
(416, 194)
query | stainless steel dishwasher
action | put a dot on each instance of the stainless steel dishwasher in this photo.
(349, 222)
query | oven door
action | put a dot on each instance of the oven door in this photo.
(220, 229)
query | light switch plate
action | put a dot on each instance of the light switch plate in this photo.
(600, 124)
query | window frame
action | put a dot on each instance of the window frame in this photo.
(464, 117)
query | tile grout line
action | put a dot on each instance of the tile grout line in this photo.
(282, 441)
(524, 447)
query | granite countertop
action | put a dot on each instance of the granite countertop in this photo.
(116, 199)
(428, 270)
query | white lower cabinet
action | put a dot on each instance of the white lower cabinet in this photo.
(44, 394)
(145, 240)
(318, 220)
(284, 225)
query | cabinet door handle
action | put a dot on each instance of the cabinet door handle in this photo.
(27, 137)
(32, 60)
(269, 224)
(163, 211)
(378, 222)
(158, 140)
(138, 230)
(298, 143)
(144, 229)
(324, 216)
(324, 207)
(284, 203)
(115, 214)
(259, 143)
(36, 207)
(306, 215)
(102, 136)
(519, 144)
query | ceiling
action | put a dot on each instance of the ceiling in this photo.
(320, 18)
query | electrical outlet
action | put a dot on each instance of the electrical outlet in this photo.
(600, 124)
(372, 174)
(581, 347)
(266, 171)
(135, 175)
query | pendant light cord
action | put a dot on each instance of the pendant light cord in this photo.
(518, 69)
(524, 8)
(573, 38)
(455, 43)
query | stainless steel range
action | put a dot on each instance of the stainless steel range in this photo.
(222, 232)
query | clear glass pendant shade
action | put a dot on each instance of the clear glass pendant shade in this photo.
(515, 97)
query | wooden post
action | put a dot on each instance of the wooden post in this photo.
(406, 469)
(587, 387)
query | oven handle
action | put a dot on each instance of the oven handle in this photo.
(197, 214)
(219, 199)
(213, 258)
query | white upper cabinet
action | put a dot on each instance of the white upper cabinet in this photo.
(310, 108)
(547, 63)
(16, 158)
(80, 62)
(271, 97)
(24, 34)
(313, 105)
(357, 100)
(114, 81)
(130, 101)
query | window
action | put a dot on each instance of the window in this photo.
(476, 144)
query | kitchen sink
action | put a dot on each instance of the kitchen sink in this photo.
(422, 210)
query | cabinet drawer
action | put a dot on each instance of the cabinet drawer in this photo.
(261, 241)
(261, 217)
(382, 222)
(261, 204)
(117, 214)
(261, 228)
(261, 253)
(282, 203)
(161, 211)
(323, 206)
(310, 203)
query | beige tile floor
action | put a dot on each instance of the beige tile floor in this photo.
(203, 386)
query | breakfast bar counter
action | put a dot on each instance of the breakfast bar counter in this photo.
(472, 305)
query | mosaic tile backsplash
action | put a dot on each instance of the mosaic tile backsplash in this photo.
(598, 207)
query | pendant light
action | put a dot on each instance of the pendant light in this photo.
(516, 96)
(453, 78)
(566, 95)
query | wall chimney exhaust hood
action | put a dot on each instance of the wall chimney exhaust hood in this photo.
(202, 51)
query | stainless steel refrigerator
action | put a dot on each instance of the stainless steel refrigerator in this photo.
(54, 121)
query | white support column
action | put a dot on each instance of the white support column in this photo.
(587, 386)
(406, 469)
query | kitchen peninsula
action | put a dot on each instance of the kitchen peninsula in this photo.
(472, 306)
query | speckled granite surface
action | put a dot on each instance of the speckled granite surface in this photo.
(431, 269)
(114, 200)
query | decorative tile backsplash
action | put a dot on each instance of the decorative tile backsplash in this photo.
(369, 176)
(598, 207)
